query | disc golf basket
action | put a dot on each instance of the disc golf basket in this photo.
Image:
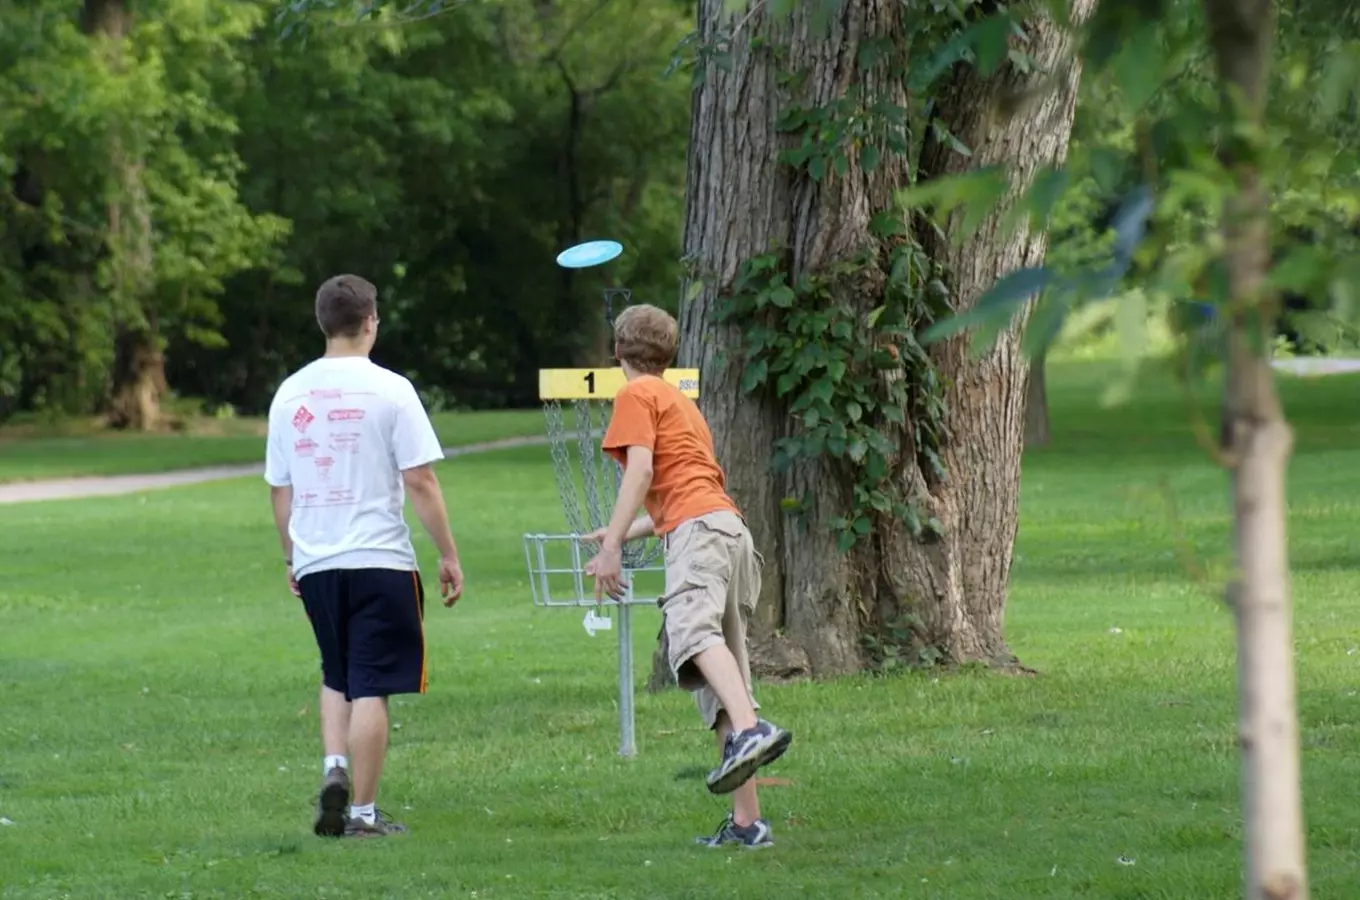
(577, 404)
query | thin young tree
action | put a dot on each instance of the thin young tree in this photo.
(1212, 246)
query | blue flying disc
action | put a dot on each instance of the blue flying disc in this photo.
(591, 253)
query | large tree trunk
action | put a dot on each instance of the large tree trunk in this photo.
(1257, 442)
(1037, 430)
(138, 382)
(819, 605)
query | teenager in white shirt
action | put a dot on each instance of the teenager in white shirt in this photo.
(348, 442)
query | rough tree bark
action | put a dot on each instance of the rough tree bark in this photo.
(1256, 443)
(138, 381)
(1037, 430)
(817, 604)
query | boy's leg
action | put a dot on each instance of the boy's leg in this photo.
(367, 747)
(712, 578)
(745, 799)
(387, 656)
(744, 826)
(723, 677)
(324, 597)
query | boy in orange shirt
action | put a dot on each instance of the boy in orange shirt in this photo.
(712, 568)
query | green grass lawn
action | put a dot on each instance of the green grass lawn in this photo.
(159, 736)
(28, 454)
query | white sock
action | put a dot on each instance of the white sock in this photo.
(334, 762)
(365, 812)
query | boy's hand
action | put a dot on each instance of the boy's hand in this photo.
(596, 536)
(607, 568)
(450, 579)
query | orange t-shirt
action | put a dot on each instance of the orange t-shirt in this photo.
(687, 481)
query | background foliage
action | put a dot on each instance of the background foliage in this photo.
(448, 150)
(447, 160)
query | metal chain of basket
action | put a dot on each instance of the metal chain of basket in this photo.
(587, 503)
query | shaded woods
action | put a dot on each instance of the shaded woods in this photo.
(175, 179)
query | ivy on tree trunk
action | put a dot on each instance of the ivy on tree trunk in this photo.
(910, 594)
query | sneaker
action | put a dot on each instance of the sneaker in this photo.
(755, 836)
(745, 752)
(381, 826)
(331, 805)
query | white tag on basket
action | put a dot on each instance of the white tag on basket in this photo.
(594, 622)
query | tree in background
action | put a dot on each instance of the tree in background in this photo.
(447, 159)
(122, 217)
(1214, 162)
(888, 522)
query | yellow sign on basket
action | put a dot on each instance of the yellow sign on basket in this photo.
(603, 384)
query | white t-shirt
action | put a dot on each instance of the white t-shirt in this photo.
(341, 431)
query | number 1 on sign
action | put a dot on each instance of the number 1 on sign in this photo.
(590, 382)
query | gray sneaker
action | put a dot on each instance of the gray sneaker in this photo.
(745, 752)
(756, 836)
(331, 805)
(381, 826)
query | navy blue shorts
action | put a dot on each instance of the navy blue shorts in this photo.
(369, 626)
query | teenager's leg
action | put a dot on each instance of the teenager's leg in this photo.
(745, 799)
(367, 747)
(387, 656)
(324, 596)
(725, 667)
(335, 712)
(723, 676)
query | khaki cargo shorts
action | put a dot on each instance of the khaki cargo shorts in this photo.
(712, 583)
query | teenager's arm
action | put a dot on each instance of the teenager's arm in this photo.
(422, 486)
(637, 480)
(642, 527)
(281, 498)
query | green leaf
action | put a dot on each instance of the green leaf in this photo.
(841, 164)
(845, 541)
(999, 303)
(854, 411)
(979, 186)
(812, 417)
(857, 449)
(1339, 79)
(835, 370)
(1043, 195)
(945, 136)
(861, 525)
(817, 168)
(754, 376)
(990, 38)
(1138, 67)
(868, 158)
(786, 383)
(874, 315)
(696, 287)
(1131, 320)
(782, 296)
(1302, 269)
(1046, 323)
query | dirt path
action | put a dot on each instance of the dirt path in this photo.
(110, 485)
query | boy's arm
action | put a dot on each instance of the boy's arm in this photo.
(637, 480)
(642, 527)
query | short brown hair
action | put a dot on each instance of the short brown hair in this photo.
(645, 338)
(342, 304)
